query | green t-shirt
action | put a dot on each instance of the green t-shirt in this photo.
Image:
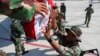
(15, 3)
(23, 14)
(19, 12)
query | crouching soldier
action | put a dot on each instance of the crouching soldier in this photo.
(16, 38)
(68, 44)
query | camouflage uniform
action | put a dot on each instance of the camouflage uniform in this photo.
(68, 48)
(16, 37)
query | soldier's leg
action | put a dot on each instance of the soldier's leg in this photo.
(86, 18)
(18, 47)
(88, 21)
(64, 16)
(23, 49)
(59, 25)
(15, 44)
(17, 51)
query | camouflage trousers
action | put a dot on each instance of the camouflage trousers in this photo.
(19, 47)
(73, 51)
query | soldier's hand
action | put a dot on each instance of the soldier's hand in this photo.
(47, 32)
(40, 8)
(53, 14)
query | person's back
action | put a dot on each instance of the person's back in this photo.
(89, 10)
(66, 43)
(62, 8)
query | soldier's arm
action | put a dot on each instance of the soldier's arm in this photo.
(53, 43)
(86, 9)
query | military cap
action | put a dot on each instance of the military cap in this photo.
(76, 31)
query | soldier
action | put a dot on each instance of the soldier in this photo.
(67, 44)
(88, 15)
(16, 38)
(60, 22)
(63, 10)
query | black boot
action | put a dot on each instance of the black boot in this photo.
(24, 52)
